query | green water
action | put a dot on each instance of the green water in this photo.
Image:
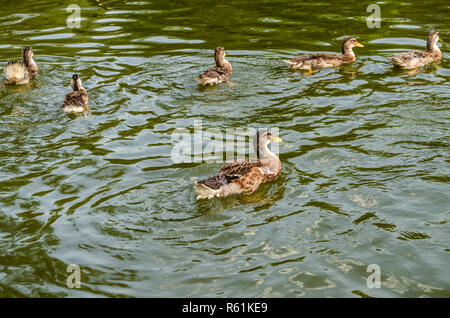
(365, 154)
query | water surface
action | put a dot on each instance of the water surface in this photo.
(365, 160)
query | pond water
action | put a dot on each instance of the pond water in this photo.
(365, 155)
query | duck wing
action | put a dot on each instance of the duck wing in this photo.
(235, 177)
(215, 72)
(230, 172)
(78, 98)
(216, 182)
(319, 60)
(306, 57)
(408, 59)
(239, 168)
(213, 75)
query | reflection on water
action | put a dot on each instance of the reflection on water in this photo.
(365, 157)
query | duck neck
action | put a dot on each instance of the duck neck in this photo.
(263, 152)
(433, 47)
(30, 64)
(271, 162)
(227, 65)
(77, 87)
(222, 62)
(348, 52)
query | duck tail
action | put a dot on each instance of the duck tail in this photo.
(294, 64)
(75, 109)
(397, 61)
(15, 72)
(204, 81)
(202, 191)
(216, 186)
(290, 62)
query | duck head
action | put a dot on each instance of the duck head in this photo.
(433, 38)
(75, 82)
(219, 56)
(27, 56)
(262, 138)
(348, 44)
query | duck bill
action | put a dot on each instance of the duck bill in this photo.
(359, 44)
(276, 139)
(226, 54)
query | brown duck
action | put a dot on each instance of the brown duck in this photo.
(243, 176)
(323, 60)
(417, 58)
(219, 73)
(76, 101)
(21, 72)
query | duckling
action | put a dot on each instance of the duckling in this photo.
(218, 74)
(76, 101)
(21, 72)
(323, 60)
(417, 58)
(243, 176)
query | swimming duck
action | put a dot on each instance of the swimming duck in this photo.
(322, 60)
(416, 58)
(21, 72)
(218, 74)
(76, 101)
(243, 176)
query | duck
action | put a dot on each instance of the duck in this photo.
(243, 175)
(21, 72)
(414, 59)
(219, 73)
(77, 100)
(323, 60)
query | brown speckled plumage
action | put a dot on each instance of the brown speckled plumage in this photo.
(417, 58)
(243, 176)
(78, 100)
(218, 74)
(21, 72)
(322, 60)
